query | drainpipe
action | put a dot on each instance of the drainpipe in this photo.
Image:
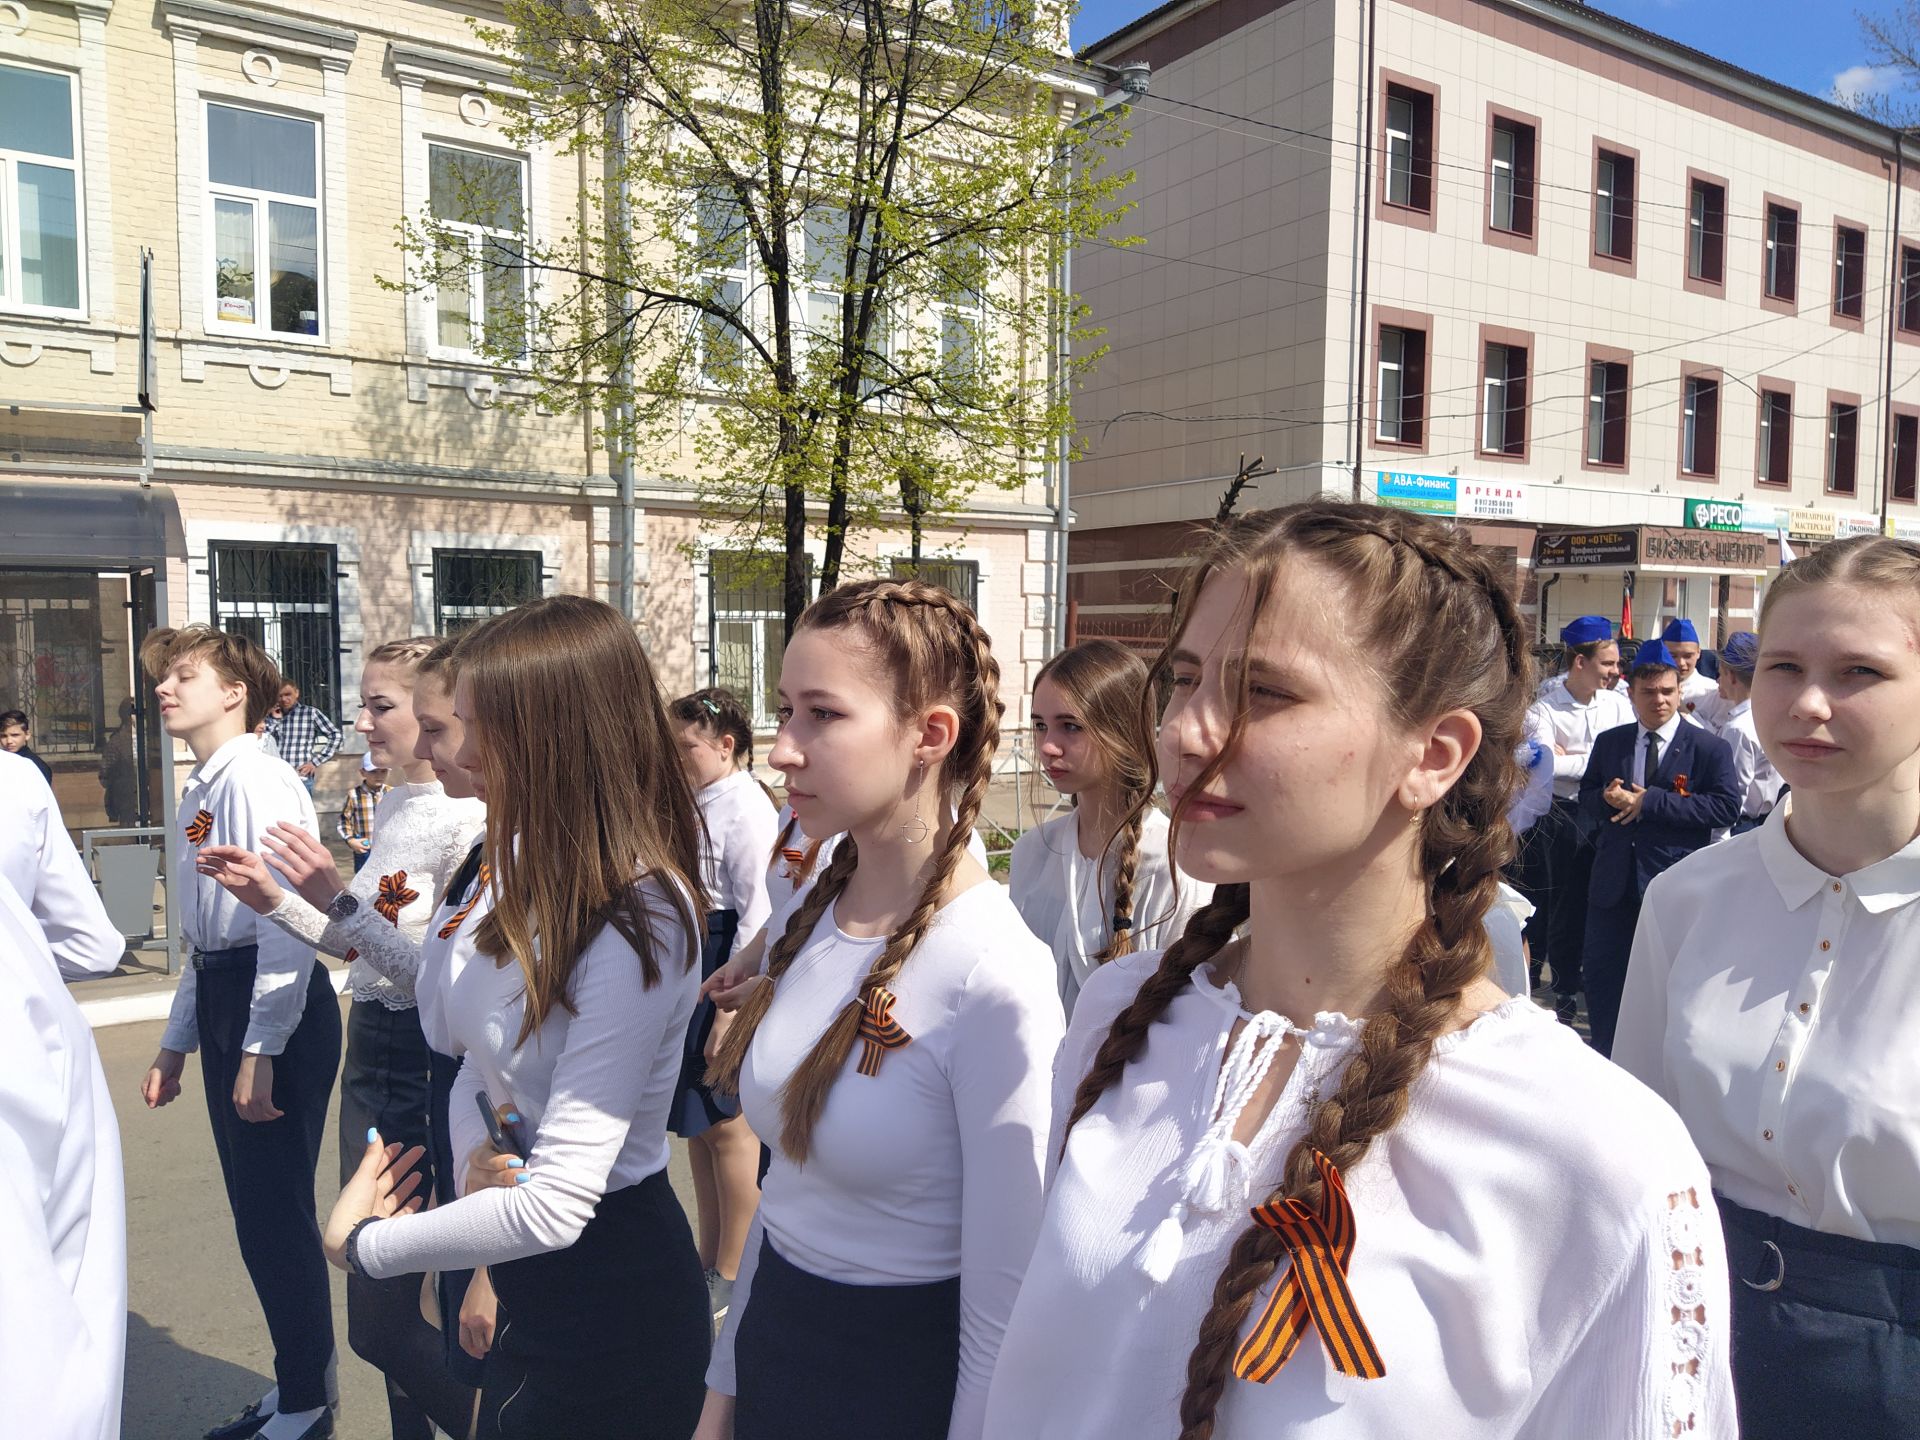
(1888, 429)
(621, 415)
(1366, 244)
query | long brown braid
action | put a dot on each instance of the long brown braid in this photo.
(934, 651)
(1440, 626)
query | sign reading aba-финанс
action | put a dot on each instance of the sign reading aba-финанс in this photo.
(1403, 490)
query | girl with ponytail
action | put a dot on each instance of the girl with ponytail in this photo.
(1096, 882)
(894, 1052)
(1315, 1175)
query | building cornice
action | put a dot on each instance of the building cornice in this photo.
(466, 70)
(253, 25)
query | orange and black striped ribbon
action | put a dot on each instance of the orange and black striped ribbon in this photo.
(1314, 1291)
(459, 917)
(879, 1030)
(200, 827)
(394, 896)
(792, 854)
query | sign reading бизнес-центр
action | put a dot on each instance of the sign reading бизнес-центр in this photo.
(1658, 546)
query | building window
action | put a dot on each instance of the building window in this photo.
(1849, 272)
(722, 246)
(1607, 413)
(957, 577)
(1700, 426)
(960, 307)
(39, 190)
(747, 621)
(1504, 431)
(1775, 466)
(1906, 450)
(1707, 232)
(262, 200)
(480, 291)
(1783, 252)
(1843, 446)
(1403, 385)
(1409, 148)
(1613, 206)
(1510, 185)
(283, 597)
(470, 585)
(1910, 289)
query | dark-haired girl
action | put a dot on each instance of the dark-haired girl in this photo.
(1316, 1175)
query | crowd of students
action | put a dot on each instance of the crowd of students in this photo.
(1214, 1121)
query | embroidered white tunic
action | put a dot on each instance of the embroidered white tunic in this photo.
(741, 828)
(931, 1168)
(1778, 1008)
(1537, 1252)
(1070, 908)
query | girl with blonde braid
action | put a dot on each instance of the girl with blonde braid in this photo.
(895, 1052)
(1096, 882)
(1315, 1174)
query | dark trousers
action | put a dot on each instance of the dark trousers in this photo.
(607, 1339)
(386, 1085)
(1609, 945)
(1570, 865)
(1531, 873)
(269, 1168)
(1834, 1350)
(450, 1285)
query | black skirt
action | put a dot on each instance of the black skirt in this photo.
(695, 1107)
(809, 1354)
(1826, 1332)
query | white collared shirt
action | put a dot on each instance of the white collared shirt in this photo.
(741, 826)
(1700, 702)
(1753, 774)
(1575, 727)
(232, 798)
(1778, 1009)
(1640, 732)
(38, 859)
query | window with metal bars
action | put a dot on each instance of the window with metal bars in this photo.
(747, 627)
(285, 599)
(470, 585)
(956, 577)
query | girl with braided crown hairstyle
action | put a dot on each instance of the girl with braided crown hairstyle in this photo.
(1315, 1175)
(1096, 882)
(895, 1052)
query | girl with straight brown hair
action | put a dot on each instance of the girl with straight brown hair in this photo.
(563, 978)
(895, 1052)
(1096, 882)
(1316, 1175)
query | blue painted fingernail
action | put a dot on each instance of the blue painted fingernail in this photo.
(512, 1118)
(522, 1178)
(516, 1163)
(373, 1135)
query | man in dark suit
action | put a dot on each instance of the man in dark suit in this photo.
(1655, 791)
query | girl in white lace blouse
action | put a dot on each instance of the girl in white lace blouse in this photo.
(1314, 1174)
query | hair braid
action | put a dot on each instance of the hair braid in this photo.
(1125, 849)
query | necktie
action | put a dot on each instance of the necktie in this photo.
(1653, 756)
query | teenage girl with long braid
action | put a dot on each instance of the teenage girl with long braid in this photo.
(896, 1051)
(1096, 883)
(1317, 1176)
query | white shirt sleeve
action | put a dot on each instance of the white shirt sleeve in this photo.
(183, 1016)
(284, 962)
(1536, 797)
(744, 859)
(52, 881)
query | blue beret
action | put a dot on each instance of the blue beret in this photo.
(1742, 651)
(1586, 630)
(1655, 652)
(1680, 632)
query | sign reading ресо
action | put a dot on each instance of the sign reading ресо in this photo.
(1715, 515)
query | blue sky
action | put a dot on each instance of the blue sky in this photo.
(1808, 44)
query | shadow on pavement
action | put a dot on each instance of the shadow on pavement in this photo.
(175, 1393)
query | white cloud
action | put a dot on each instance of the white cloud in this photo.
(1859, 82)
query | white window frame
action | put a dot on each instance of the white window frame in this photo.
(1777, 217)
(1399, 151)
(1392, 430)
(742, 274)
(1690, 425)
(1603, 225)
(1597, 412)
(1496, 385)
(1763, 470)
(708, 616)
(806, 291)
(10, 238)
(1503, 183)
(1834, 407)
(969, 308)
(261, 200)
(477, 237)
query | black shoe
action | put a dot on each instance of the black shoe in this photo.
(1567, 1007)
(321, 1429)
(247, 1422)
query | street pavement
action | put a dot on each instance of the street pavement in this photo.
(197, 1349)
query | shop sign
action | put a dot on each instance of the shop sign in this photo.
(1715, 515)
(1401, 490)
(1493, 499)
(1903, 529)
(1758, 519)
(1850, 525)
(1559, 549)
(1702, 549)
(1810, 524)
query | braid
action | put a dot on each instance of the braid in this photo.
(1125, 847)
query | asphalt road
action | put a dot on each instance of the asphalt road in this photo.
(197, 1349)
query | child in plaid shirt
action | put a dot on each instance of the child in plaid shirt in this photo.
(356, 816)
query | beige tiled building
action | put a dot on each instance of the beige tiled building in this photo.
(342, 467)
(1510, 260)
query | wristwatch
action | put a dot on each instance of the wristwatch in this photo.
(352, 1248)
(343, 906)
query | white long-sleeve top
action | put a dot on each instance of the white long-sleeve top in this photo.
(781, 883)
(420, 837)
(594, 1087)
(38, 860)
(1700, 702)
(931, 1168)
(1070, 907)
(1534, 798)
(742, 825)
(1753, 774)
(1574, 728)
(63, 1214)
(232, 798)
(1537, 1252)
(1778, 1009)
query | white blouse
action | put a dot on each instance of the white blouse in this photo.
(1754, 777)
(232, 798)
(742, 825)
(1537, 1253)
(593, 1086)
(1063, 901)
(420, 837)
(1573, 728)
(1778, 1008)
(38, 859)
(781, 879)
(931, 1168)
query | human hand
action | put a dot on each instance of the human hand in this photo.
(486, 1166)
(253, 1090)
(381, 1188)
(307, 864)
(307, 771)
(1615, 794)
(242, 874)
(1630, 806)
(478, 1312)
(162, 1083)
(717, 1036)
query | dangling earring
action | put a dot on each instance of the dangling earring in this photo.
(917, 829)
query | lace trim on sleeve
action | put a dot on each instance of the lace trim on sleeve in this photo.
(1690, 1341)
